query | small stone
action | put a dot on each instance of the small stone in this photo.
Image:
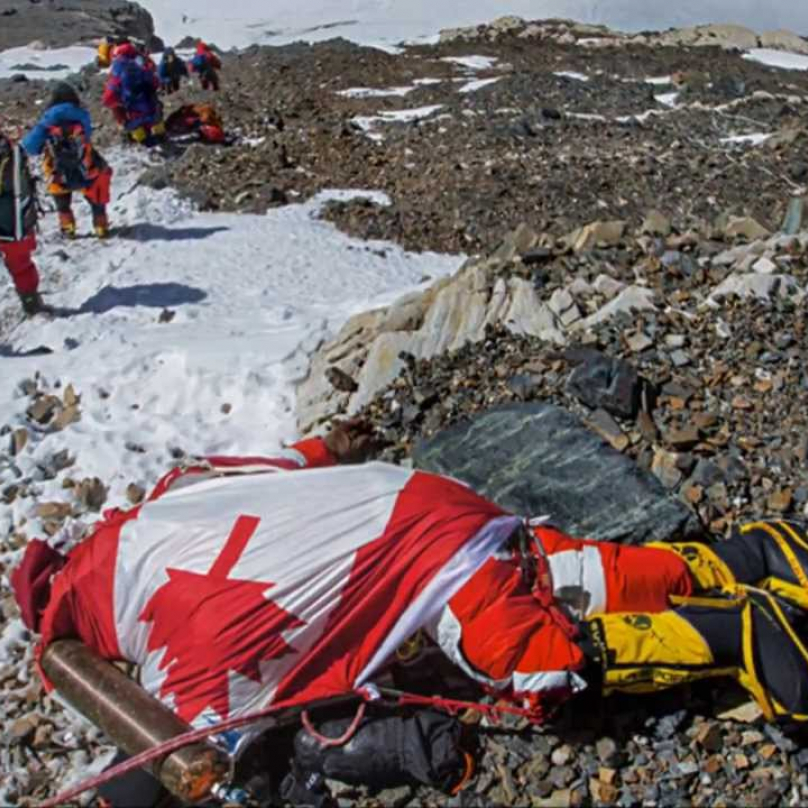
(562, 776)
(665, 467)
(19, 440)
(69, 415)
(680, 359)
(709, 737)
(42, 736)
(656, 224)
(70, 398)
(767, 751)
(781, 500)
(226, 409)
(765, 266)
(741, 762)
(746, 713)
(57, 511)
(562, 755)
(683, 438)
(745, 227)
(135, 494)
(43, 409)
(607, 751)
(340, 380)
(602, 793)
(23, 729)
(638, 342)
(92, 493)
(606, 426)
(166, 316)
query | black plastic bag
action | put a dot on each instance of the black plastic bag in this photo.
(387, 752)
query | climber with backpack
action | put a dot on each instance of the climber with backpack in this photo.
(205, 64)
(172, 71)
(18, 215)
(63, 136)
(131, 95)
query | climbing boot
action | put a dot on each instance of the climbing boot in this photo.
(139, 135)
(32, 304)
(101, 225)
(67, 224)
(751, 638)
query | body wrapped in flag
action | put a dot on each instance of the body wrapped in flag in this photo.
(242, 582)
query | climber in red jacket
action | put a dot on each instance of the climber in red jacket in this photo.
(18, 217)
(206, 64)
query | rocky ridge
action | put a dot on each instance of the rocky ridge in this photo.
(568, 32)
(72, 22)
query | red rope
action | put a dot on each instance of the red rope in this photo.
(536, 715)
(346, 736)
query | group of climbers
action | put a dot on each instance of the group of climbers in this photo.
(71, 164)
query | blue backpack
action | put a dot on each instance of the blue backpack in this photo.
(137, 83)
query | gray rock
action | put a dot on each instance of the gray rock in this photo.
(71, 22)
(603, 381)
(536, 459)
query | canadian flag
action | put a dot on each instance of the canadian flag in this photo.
(251, 582)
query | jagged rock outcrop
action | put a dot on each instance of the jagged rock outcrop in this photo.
(72, 22)
(374, 347)
(558, 290)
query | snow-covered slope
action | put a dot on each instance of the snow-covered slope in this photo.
(251, 296)
(391, 21)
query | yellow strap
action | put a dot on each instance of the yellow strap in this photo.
(749, 676)
(785, 547)
(787, 626)
(709, 603)
(794, 535)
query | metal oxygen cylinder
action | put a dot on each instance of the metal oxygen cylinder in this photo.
(134, 720)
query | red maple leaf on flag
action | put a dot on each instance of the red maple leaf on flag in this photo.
(210, 625)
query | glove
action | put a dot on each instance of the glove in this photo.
(352, 441)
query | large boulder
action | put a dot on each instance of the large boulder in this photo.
(73, 22)
(538, 459)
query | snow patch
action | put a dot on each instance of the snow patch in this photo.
(658, 81)
(667, 99)
(754, 139)
(781, 59)
(472, 62)
(55, 64)
(571, 74)
(368, 123)
(477, 84)
(370, 92)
